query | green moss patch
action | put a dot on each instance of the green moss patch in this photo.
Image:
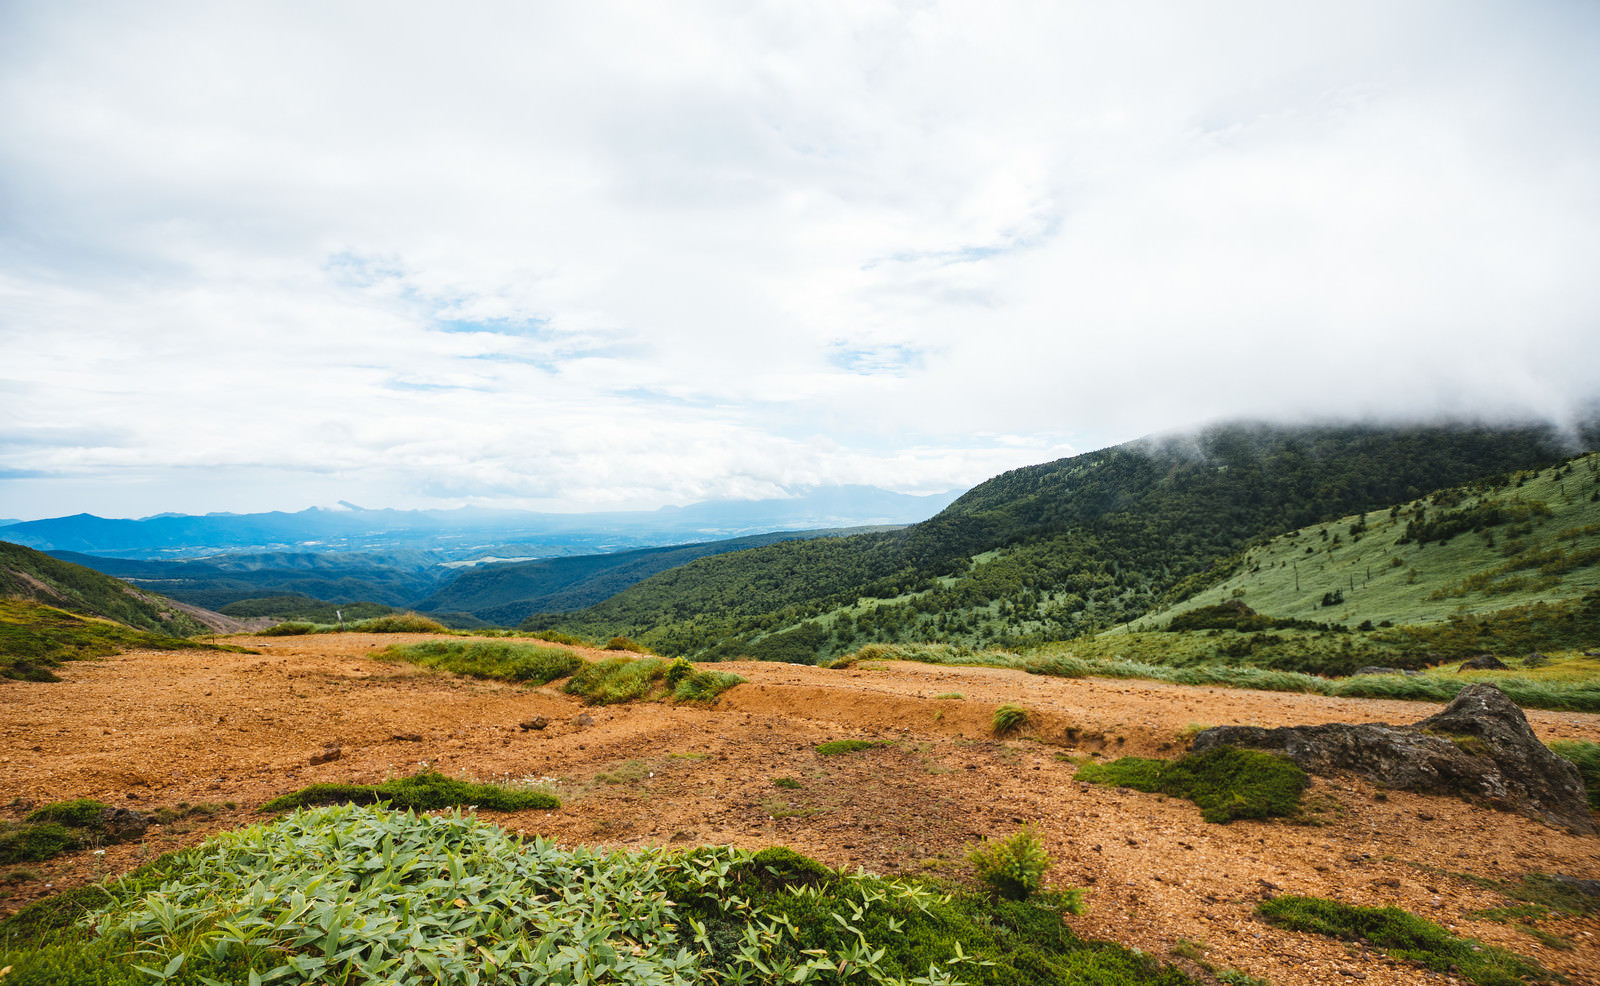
(1404, 936)
(52, 830)
(35, 842)
(1227, 783)
(425, 791)
(834, 748)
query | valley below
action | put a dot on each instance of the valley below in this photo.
(213, 735)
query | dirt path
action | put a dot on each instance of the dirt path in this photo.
(154, 729)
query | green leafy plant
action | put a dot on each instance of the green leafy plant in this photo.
(354, 894)
(1009, 718)
(1015, 866)
(786, 782)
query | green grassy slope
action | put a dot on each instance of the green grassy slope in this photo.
(36, 638)
(1054, 551)
(34, 575)
(1489, 546)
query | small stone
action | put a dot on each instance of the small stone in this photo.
(537, 722)
(407, 737)
(329, 754)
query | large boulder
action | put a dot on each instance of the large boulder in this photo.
(1480, 747)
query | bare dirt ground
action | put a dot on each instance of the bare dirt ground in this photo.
(149, 729)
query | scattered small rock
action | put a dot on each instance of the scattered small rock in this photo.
(583, 719)
(122, 824)
(537, 722)
(407, 737)
(1589, 888)
(329, 753)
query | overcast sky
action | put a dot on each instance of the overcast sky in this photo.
(593, 255)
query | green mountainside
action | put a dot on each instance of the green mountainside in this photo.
(508, 592)
(1054, 551)
(392, 578)
(1510, 540)
(26, 574)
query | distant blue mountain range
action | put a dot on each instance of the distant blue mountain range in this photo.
(470, 532)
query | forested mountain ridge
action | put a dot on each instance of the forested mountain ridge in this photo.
(36, 577)
(1069, 546)
(507, 592)
(393, 578)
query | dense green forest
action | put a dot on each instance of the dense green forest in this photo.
(506, 593)
(1055, 551)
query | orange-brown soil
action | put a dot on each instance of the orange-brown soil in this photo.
(148, 729)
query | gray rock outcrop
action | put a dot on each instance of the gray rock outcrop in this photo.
(1480, 747)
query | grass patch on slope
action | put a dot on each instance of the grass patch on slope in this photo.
(388, 623)
(425, 790)
(518, 661)
(1405, 936)
(1472, 549)
(1586, 756)
(35, 638)
(361, 894)
(626, 679)
(834, 748)
(1227, 783)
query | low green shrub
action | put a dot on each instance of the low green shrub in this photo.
(399, 623)
(1404, 936)
(1009, 718)
(624, 643)
(678, 670)
(293, 628)
(1227, 783)
(1014, 867)
(833, 748)
(704, 686)
(35, 842)
(52, 830)
(626, 679)
(426, 790)
(519, 661)
(617, 679)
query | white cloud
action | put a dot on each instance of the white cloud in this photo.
(607, 254)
